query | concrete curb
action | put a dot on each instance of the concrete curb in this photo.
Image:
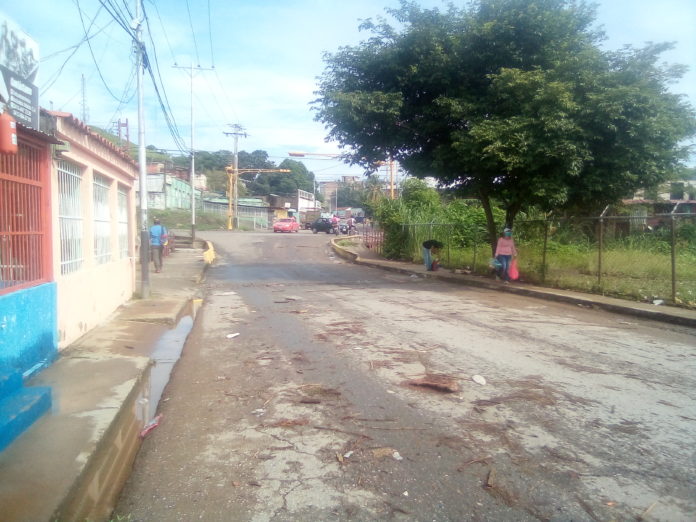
(670, 315)
(209, 257)
(84, 450)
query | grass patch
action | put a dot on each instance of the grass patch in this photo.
(628, 273)
(181, 219)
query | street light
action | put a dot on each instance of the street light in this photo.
(296, 154)
(391, 165)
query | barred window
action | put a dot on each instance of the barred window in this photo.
(123, 222)
(102, 218)
(23, 239)
(70, 217)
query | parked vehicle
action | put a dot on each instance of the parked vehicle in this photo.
(286, 225)
(322, 225)
(309, 217)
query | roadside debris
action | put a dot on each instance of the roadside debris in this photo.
(490, 480)
(478, 379)
(259, 412)
(441, 383)
(645, 513)
(150, 426)
(473, 461)
(288, 423)
(288, 299)
(658, 302)
(232, 335)
(380, 453)
(309, 400)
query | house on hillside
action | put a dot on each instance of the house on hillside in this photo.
(169, 188)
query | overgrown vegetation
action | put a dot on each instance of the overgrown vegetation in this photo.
(636, 264)
(513, 102)
(181, 220)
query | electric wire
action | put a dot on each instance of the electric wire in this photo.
(91, 51)
(193, 33)
(124, 101)
(210, 37)
(163, 99)
(116, 14)
(164, 31)
(54, 78)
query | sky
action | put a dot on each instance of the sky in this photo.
(255, 64)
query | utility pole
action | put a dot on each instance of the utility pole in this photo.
(192, 175)
(232, 174)
(84, 101)
(142, 171)
(233, 220)
(392, 169)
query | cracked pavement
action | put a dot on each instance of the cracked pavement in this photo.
(310, 412)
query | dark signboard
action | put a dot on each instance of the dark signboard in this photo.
(19, 63)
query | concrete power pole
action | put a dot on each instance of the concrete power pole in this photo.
(192, 175)
(144, 234)
(238, 131)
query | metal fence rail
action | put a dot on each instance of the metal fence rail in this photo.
(647, 257)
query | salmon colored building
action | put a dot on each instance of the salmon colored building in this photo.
(93, 216)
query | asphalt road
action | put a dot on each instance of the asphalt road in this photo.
(350, 394)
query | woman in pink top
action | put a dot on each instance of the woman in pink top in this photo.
(504, 252)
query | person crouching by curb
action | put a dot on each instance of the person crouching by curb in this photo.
(431, 248)
(504, 252)
(158, 238)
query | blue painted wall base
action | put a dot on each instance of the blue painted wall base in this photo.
(19, 406)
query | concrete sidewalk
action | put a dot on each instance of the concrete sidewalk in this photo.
(71, 464)
(667, 314)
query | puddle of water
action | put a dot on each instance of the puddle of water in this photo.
(165, 355)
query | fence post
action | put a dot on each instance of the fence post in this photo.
(674, 257)
(543, 253)
(449, 240)
(601, 248)
(473, 266)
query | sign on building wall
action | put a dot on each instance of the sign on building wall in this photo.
(19, 64)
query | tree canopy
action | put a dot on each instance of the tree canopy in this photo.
(508, 100)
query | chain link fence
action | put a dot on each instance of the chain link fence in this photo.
(649, 258)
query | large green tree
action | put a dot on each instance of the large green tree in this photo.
(282, 183)
(512, 101)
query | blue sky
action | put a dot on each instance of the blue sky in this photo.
(267, 55)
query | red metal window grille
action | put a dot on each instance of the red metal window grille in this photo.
(24, 253)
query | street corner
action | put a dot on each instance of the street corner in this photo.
(344, 247)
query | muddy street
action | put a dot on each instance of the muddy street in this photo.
(352, 393)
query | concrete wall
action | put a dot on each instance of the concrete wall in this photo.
(28, 328)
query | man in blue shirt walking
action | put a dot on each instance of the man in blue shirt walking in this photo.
(158, 238)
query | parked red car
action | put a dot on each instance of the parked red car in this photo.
(286, 225)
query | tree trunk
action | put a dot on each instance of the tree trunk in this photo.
(510, 214)
(490, 220)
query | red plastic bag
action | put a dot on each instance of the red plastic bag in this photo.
(513, 272)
